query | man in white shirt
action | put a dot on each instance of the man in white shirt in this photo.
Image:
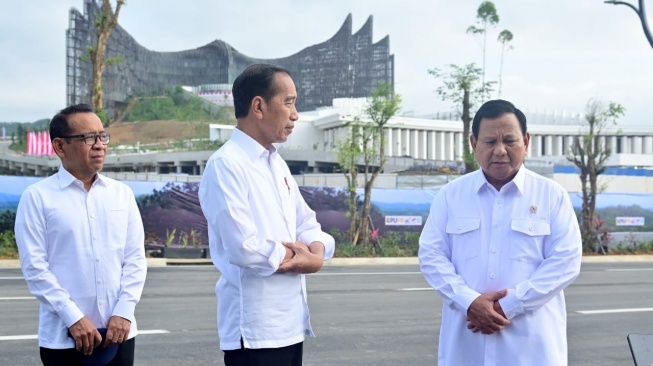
(81, 245)
(263, 236)
(500, 245)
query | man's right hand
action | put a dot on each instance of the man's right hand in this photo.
(483, 314)
(305, 259)
(86, 336)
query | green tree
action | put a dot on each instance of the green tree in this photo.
(383, 105)
(105, 22)
(366, 142)
(462, 87)
(505, 37)
(349, 153)
(589, 153)
(21, 134)
(486, 14)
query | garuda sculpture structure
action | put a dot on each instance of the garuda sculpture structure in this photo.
(345, 66)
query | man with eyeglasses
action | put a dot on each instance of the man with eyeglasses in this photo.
(80, 240)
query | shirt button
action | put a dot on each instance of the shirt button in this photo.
(493, 276)
(496, 225)
(530, 228)
(100, 303)
(92, 216)
(95, 238)
(499, 202)
(99, 281)
(98, 260)
(459, 227)
(494, 250)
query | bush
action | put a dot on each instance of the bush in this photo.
(392, 243)
(643, 247)
(7, 220)
(8, 248)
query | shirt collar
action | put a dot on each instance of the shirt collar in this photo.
(520, 178)
(480, 180)
(252, 148)
(66, 179)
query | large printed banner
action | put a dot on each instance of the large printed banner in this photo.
(172, 209)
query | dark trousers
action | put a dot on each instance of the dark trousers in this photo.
(284, 356)
(70, 356)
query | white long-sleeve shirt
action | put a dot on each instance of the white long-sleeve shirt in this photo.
(252, 205)
(524, 238)
(82, 253)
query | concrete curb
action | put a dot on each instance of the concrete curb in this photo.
(163, 262)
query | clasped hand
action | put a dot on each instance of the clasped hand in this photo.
(485, 314)
(301, 258)
(87, 337)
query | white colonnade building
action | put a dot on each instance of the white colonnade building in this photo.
(438, 139)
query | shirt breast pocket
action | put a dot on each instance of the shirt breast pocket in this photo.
(116, 226)
(527, 239)
(464, 235)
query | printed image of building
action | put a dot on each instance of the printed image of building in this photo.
(345, 66)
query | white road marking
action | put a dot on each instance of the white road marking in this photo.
(18, 337)
(613, 311)
(628, 269)
(34, 336)
(153, 331)
(417, 289)
(365, 274)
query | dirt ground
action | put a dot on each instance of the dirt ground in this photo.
(156, 131)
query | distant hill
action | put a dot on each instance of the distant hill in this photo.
(176, 104)
(404, 209)
(12, 127)
(146, 132)
(175, 115)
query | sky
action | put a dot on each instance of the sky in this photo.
(565, 52)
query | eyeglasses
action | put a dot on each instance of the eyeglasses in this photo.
(91, 138)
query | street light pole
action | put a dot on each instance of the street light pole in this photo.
(641, 12)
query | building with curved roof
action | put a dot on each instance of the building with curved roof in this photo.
(345, 66)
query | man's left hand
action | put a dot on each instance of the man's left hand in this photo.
(117, 331)
(306, 259)
(485, 314)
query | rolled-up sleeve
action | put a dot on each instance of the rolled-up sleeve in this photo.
(309, 230)
(224, 199)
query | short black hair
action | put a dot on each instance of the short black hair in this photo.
(255, 80)
(59, 124)
(494, 109)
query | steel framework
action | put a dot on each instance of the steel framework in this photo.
(345, 66)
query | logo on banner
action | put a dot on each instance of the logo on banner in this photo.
(630, 221)
(403, 220)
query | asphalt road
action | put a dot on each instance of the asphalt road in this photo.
(363, 315)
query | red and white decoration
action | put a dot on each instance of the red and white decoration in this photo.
(38, 144)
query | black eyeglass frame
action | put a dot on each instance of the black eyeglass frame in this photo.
(87, 136)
